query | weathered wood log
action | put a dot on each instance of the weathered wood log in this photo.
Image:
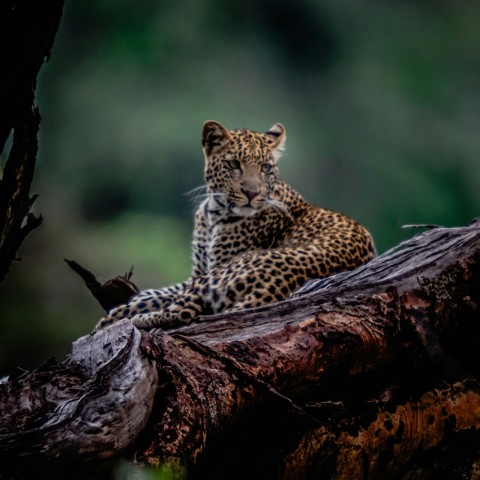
(384, 440)
(27, 32)
(367, 374)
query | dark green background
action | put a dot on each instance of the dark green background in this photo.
(380, 100)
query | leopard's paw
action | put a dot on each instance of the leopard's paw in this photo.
(104, 322)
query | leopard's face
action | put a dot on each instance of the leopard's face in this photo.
(241, 166)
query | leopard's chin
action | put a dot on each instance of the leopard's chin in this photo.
(244, 208)
(245, 211)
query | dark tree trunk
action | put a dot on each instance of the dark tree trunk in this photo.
(27, 31)
(369, 374)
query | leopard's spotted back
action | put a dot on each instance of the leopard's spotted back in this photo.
(256, 240)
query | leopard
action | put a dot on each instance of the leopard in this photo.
(256, 240)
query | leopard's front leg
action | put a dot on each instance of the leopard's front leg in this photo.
(147, 301)
(248, 280)
(183, 311)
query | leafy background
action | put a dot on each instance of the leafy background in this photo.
(380, 100)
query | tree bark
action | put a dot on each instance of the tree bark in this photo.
(27, 32)
(367, 374)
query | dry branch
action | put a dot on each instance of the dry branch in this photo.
(109, 294)
(367, 374)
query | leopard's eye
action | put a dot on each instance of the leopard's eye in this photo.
(266, 167)
(234, 164)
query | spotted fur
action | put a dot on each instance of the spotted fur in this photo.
(256, 240)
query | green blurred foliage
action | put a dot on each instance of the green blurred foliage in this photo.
(380, 100)
(167, 471)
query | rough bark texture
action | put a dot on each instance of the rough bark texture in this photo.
(27, 31)
(369, 374)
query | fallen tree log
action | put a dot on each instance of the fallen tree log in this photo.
(366, 374)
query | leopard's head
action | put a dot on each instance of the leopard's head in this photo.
(241, 166)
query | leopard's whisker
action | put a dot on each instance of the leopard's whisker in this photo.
(196, 194)
(199, 197)
(195, 190)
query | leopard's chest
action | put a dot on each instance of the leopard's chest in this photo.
(227, 239)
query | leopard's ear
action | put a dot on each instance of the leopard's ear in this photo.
(276, 138)
(214, 136)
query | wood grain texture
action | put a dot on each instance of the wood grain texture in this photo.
(362, 375)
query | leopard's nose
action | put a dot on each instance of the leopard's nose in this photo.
(249, 194)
